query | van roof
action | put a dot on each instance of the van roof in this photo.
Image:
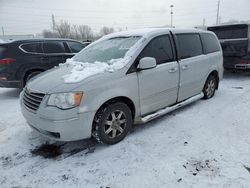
(152, 31)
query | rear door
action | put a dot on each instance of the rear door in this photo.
(194, 65)
(53, 53)
(158, 87)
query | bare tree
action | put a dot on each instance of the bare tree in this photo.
(64, 29)
(106, 30)
(85, 32)
(75, 33)
(49, 34)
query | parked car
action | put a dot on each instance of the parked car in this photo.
(235, 42)
(87, 42)
(129, 77)
(23, 59)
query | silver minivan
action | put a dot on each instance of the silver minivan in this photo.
(122, 79)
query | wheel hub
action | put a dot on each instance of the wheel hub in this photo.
(115, 124)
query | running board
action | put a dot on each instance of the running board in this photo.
(171, 108)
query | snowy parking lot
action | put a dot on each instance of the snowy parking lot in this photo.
(205, 144)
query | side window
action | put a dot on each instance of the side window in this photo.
(53, 47)
(210, 43)
(189, 45)
(160, 48)
(75, 47)
(32, 48)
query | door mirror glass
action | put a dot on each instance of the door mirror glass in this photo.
(147, 63)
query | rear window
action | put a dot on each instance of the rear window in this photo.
(230, 32)
(210, 43)
(32, 47)
(189, 45)
(2, 50)
(53, 47)
(75, 47)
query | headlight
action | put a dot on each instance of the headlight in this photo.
(65, 100)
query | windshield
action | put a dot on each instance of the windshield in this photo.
(104, 51)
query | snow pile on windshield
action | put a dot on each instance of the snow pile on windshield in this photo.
(83, 70)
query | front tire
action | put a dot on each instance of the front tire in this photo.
(112, 123)
(210, 87)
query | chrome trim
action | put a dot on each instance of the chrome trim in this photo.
(32, 100)
(34, 53)
(226, 40)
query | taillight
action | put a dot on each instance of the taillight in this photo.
(7, 61)
(243, 62)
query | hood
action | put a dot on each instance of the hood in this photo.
(52, 81)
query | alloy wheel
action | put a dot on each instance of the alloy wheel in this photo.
(115, 124)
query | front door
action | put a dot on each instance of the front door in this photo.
(158, 87)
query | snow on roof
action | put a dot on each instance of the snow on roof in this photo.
(149, 31)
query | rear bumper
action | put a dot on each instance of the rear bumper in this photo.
(10, 84)
(242, 66)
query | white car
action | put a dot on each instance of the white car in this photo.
(121, 79)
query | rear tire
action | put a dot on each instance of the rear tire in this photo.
(112, 123)
(210, 87)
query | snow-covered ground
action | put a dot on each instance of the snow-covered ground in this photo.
(205, 144)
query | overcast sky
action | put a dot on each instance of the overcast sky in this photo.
(33, 16)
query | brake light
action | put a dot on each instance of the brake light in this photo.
(243, 62)
(7, 61)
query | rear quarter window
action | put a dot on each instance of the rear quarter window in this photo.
(32, 47)
(189, 45)
(210, 43)
(53, 47)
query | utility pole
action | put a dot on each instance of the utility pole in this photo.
(218, 12)
(204, 22)
(171, 6)
(53, 22)
(3, 31)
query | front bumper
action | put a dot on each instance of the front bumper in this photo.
(60, 125)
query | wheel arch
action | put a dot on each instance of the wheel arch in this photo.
(29, 71)
(216, 75)
(123, 99)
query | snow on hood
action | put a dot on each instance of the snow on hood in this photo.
(82, 70)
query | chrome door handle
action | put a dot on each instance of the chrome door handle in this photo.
(172, 70)
(185, 67)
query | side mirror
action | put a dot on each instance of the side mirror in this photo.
(147, 63)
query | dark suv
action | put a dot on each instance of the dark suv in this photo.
(23, 59)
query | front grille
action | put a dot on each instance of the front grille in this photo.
(32, 100)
